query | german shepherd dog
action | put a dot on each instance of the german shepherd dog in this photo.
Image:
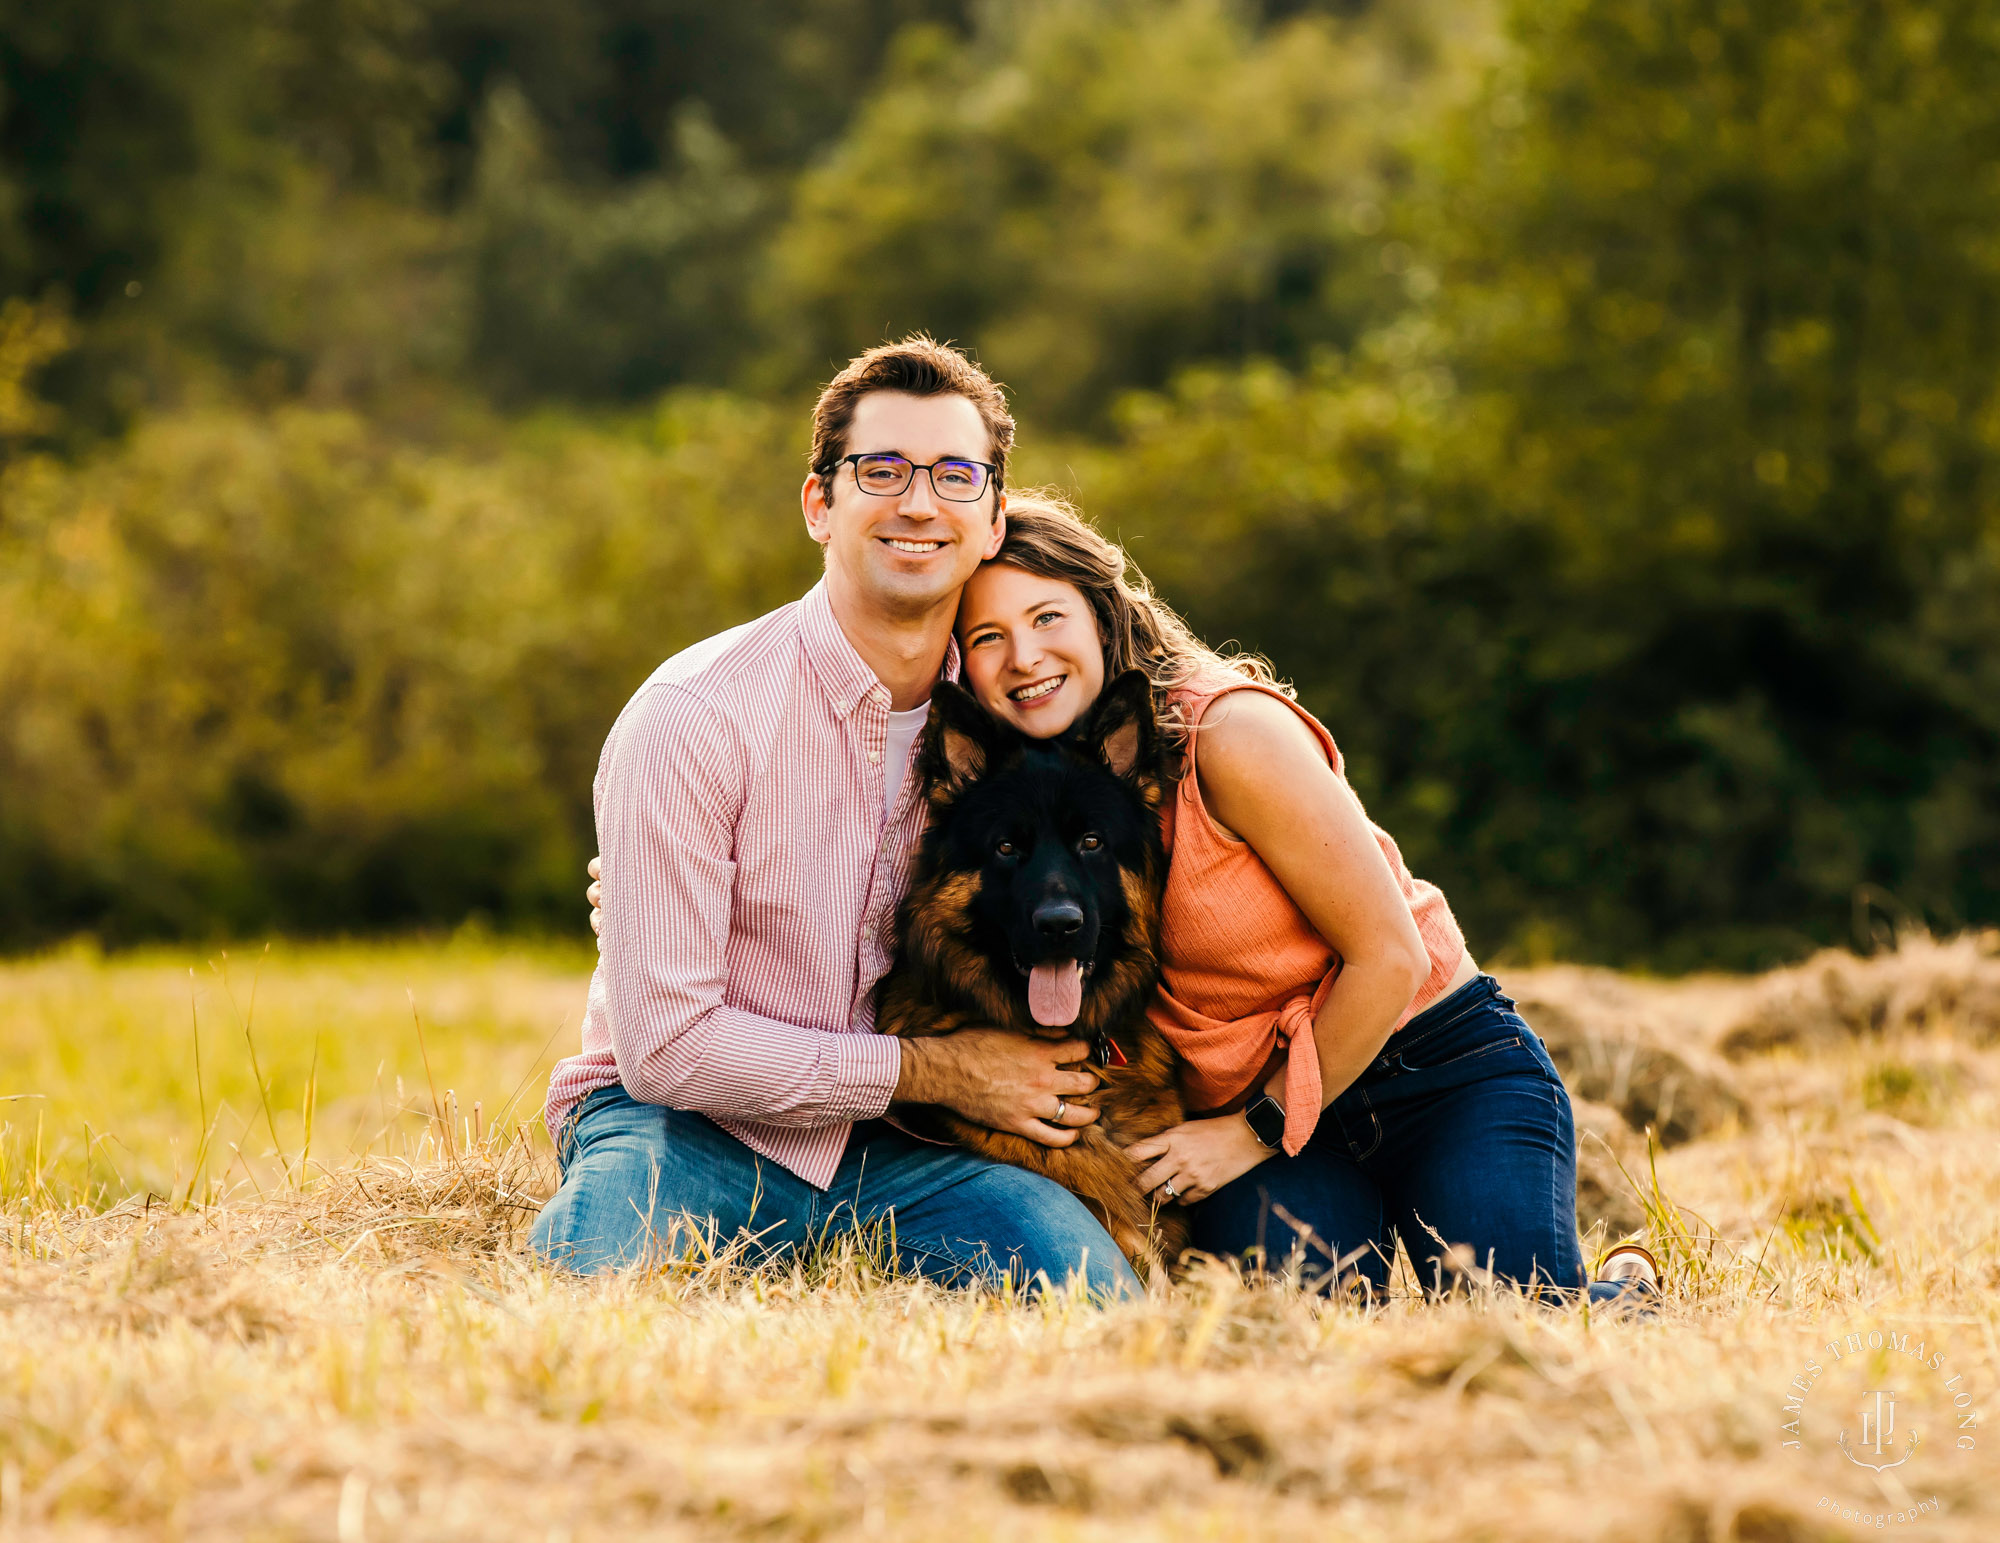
(1035, 906)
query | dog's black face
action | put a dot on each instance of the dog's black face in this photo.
(1055, 831)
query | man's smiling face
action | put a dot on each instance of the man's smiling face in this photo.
(911, 552)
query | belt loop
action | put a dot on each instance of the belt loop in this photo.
(566, 1137)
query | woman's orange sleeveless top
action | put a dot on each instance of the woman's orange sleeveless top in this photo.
(1244, 974)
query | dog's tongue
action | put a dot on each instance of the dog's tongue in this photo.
(1055, 993)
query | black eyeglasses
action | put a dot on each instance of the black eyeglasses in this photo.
(888, 476)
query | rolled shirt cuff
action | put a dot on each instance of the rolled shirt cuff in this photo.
(865, 1071)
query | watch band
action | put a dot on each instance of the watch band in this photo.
(1266, 1117)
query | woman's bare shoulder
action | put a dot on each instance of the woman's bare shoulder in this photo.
(1256, 762)
(1252, 726)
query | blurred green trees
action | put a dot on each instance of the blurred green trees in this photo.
(286, 669)
(1102, 194)
(1646, 563)
(1592, 406)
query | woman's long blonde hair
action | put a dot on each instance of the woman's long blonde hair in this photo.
(1047, 537)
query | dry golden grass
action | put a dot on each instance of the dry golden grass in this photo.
(371, 1355)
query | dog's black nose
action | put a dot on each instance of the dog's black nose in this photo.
(1058, 921)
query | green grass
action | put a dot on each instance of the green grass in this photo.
(105, 1096)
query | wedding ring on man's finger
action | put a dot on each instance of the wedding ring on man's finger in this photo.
(1062, 1108)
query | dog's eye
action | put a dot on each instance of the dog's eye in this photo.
(1006, 849)
(1089, 844)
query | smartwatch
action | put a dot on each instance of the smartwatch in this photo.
(1267, 1120)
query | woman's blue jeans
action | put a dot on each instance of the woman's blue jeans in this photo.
(641, 1182)
(1459, 1133)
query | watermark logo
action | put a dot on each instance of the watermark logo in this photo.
(1886, 1401)
(1883, 1418)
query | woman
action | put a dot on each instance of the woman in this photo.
(1356, 1077)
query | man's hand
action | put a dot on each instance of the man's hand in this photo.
(1002, 1081)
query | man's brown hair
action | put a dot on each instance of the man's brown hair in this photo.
(917, 365)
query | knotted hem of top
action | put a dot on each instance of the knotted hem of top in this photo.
(1247, 1045)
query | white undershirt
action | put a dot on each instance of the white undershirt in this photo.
(903, 731)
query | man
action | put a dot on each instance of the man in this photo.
(756, 817)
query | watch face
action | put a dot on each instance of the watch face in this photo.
(1267, 1120)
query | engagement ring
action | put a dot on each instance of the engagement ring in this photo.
(1172, 1193)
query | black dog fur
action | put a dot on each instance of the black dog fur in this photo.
(1039, 852)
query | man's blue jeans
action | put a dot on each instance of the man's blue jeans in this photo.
(1461, 1125)
(631, 1171)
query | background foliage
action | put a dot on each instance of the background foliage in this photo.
(1590, 403)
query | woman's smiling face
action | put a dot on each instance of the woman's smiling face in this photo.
(1032, 653)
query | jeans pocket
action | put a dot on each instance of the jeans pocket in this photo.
(571, 1139)
(566, 1140)
(1484, 1032)
(1426, 1061)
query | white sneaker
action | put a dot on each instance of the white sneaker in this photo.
(1630, 1263)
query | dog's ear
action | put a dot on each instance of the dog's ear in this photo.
(1122, 729)
(960, 740)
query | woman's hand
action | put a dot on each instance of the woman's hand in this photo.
(595, 894)
(1198, 1157)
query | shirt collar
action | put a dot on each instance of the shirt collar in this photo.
(840, 670)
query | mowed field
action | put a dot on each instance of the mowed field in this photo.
(288, 1298)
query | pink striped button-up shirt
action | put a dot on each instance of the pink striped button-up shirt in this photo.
(750, 888)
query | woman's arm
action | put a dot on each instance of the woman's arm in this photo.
(1265, 779)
